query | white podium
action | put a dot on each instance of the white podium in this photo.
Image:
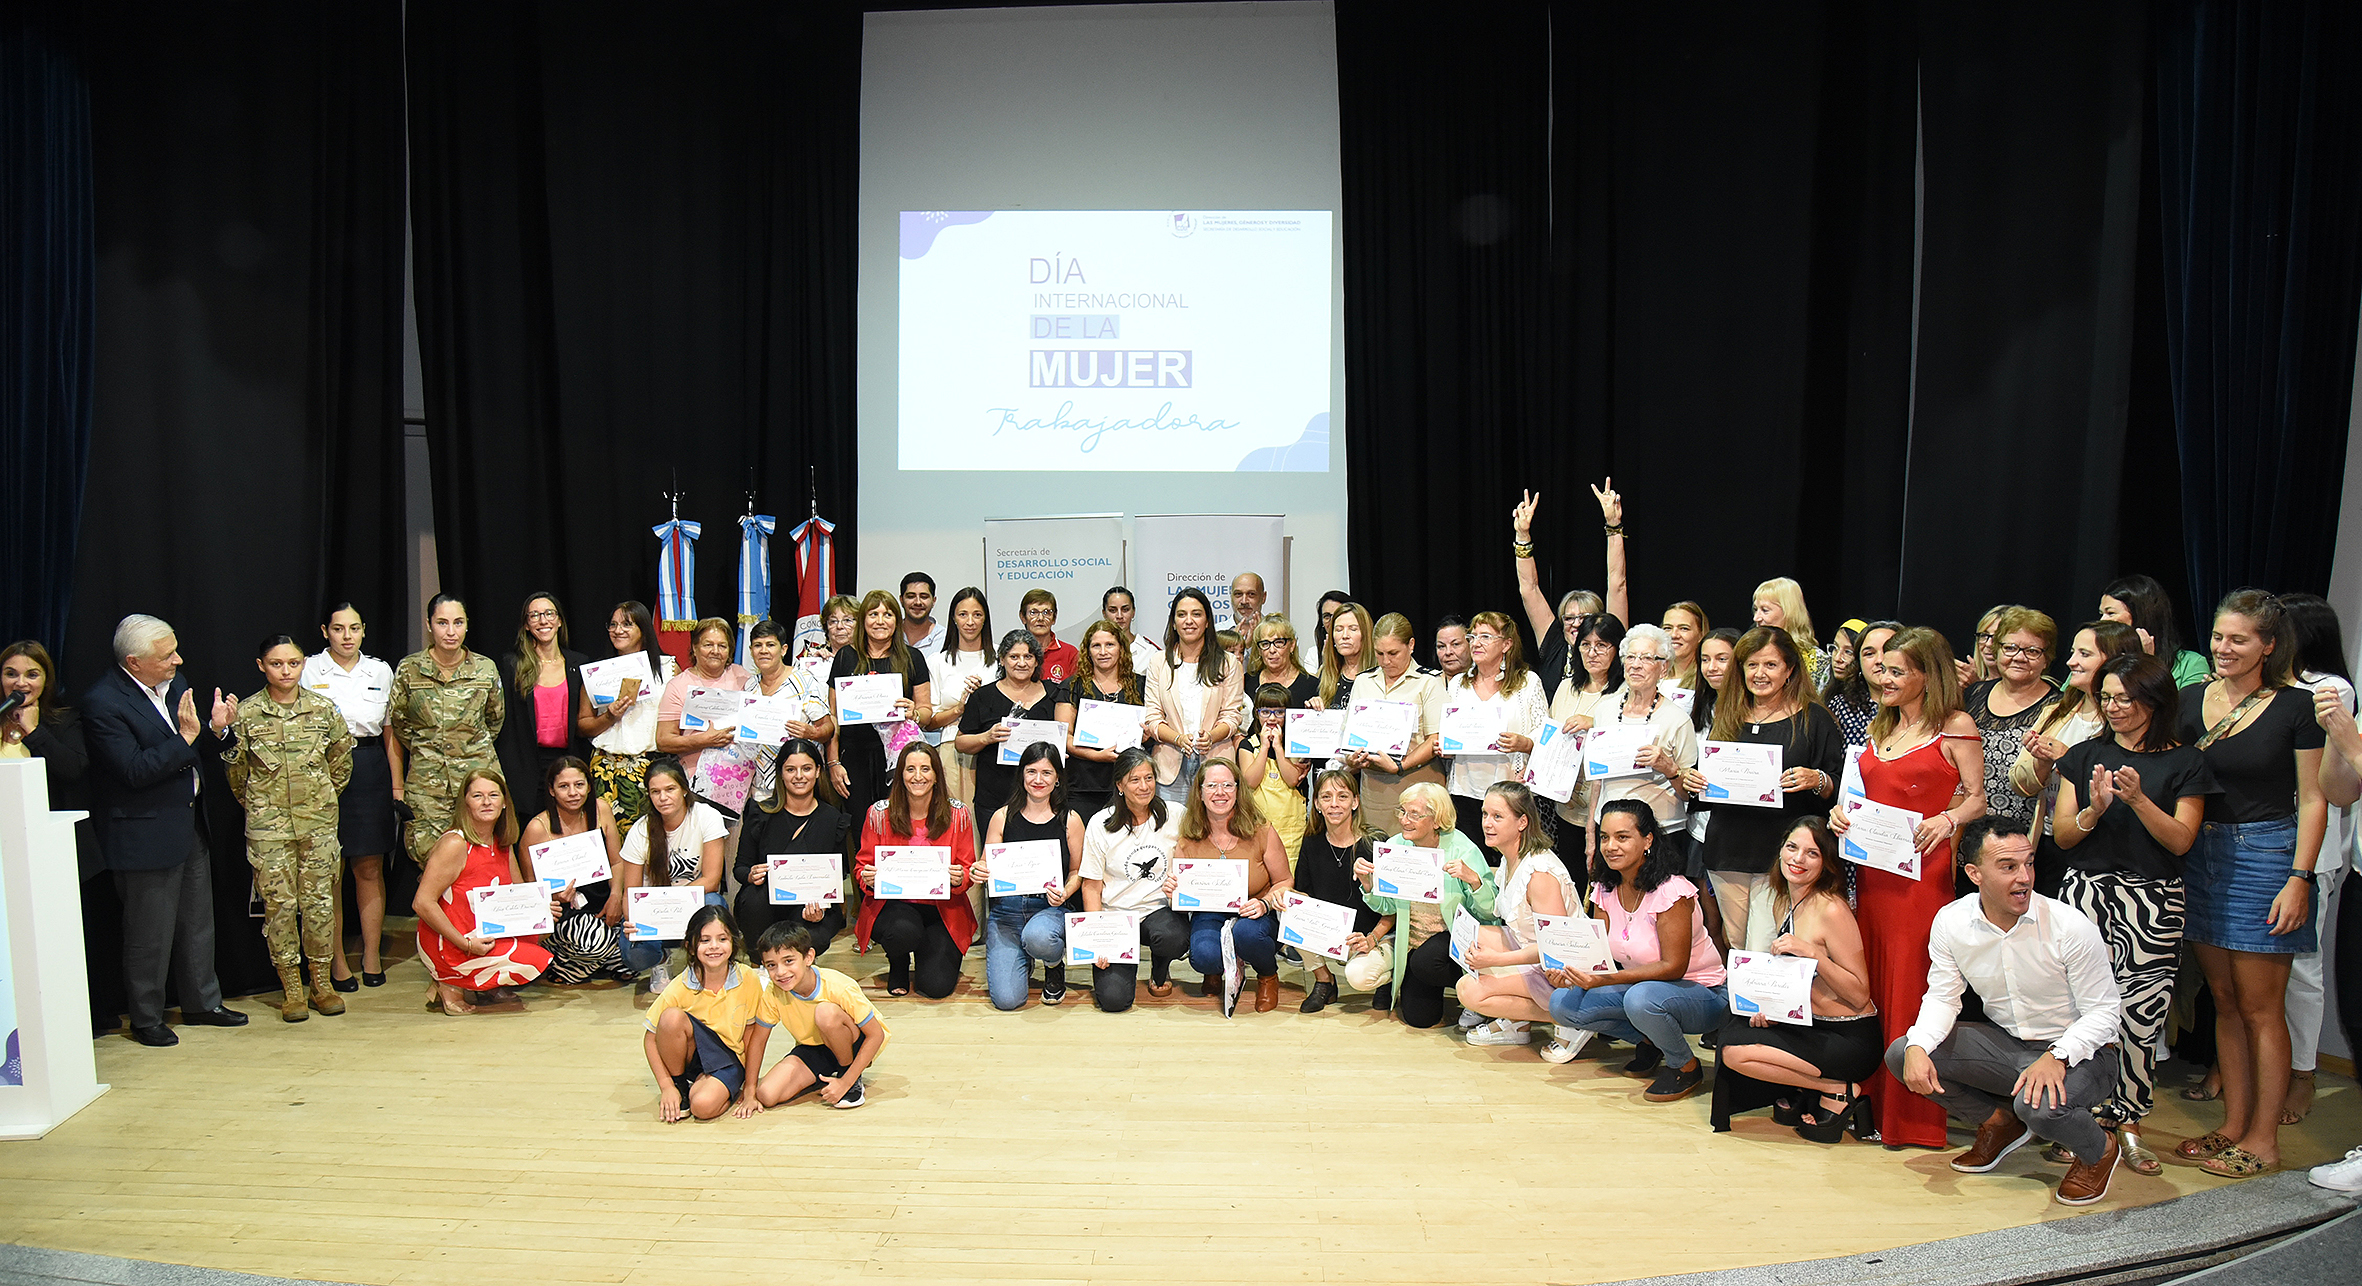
(50, 1071)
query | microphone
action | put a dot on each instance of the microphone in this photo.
(10, 701)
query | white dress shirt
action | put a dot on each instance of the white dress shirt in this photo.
(164, 708)
(2046, 978)
(360, 693)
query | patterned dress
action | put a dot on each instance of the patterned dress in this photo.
(511, 962)
(2004, 738)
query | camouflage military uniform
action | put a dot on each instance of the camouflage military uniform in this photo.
(287, 764)
(447, 728)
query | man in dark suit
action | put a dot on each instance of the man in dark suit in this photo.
(140, 724)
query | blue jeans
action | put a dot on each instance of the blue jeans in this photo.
(1176, 791)
(1017, 932)
(1656, 1012)
(640, 956)
(1256, 940)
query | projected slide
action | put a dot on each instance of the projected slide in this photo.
(1150, 340)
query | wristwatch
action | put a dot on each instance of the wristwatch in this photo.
(2302, 874)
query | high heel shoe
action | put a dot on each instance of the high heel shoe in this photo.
(1819, 1125)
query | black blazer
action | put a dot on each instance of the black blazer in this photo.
(58, 743)
(520, 752)
(142, 776)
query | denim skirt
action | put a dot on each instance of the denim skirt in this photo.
(2232, 874)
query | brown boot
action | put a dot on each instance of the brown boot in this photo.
(324, 997)
(1266, 994)
(2084, 1183)
(2001, 1134)
(291, 1001)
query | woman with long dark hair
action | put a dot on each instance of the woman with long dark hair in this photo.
(795, 819)
(923, 938)
(587, 940)
(2320, 668)
(2140, 602)
(1198, 694)
(544, 693)
(623, 731)
(1023, 928)
(678, 841)
(859, 755)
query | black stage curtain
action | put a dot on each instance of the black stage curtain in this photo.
(634, 256)
(46, 326)
(248, 179)
(1594, 239)
(2259, 119)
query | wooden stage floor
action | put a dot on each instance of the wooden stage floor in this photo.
(391, 1145)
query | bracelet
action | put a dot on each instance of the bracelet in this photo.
(2081, 824)
(1522, 548)
(1613, 528)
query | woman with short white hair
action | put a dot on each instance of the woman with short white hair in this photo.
(1670, 751)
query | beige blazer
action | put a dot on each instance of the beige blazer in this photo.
(1227, 703)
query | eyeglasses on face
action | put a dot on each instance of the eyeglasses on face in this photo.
(2108, 702)
(1598, 645)
(1484, 636)
(1274, 643)
(2021, 650)
(544, 615)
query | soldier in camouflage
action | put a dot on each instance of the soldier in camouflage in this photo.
(290, 756)
(441, 719)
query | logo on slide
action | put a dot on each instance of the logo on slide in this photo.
(1182, 223)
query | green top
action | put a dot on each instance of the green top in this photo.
(1479, 900)
(2191, 668)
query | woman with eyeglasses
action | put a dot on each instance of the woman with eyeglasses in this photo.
(1554, 631)
(2067, 722)
(1662, 762)
(1579, 703)
(1497, 677)
(544, 693)
(2130, 805)
(1275, 659)
(1421, 951)
(2010, 702)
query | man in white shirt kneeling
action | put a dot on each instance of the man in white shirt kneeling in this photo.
(2047, 1054)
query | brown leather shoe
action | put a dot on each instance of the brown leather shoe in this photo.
(2084, 1183)
(1266, 994)
(2001, 1134)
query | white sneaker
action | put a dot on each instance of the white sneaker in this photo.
(1563, 1048)
(1499, 1032)
(1469, 1019)
(2339, 1176)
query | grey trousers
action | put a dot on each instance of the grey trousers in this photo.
(168, 925)
(1978, 1065)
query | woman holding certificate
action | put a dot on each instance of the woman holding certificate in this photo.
(1422, 951)
(1579, 703)
(477, 852)
(1127, 852)
(790, 695)
(1396, 678)
(923, 937)
(1498, 694)
(2130, 806)
(544, 695)
(1643, 746)
(1023, 927)
(2250, 875)
(995, 710)
(623, 729)
(1507, 984)
(690, 836)
(585, 943)
(1108, 677)
(793, 822)
(864, 745)
(1198, 694)
(1924, 760)
(710, 668)
(1840, 1048)
(1324, 870)
(964, 665)
(1668, 978)
(1767, 726)
(1222, 825)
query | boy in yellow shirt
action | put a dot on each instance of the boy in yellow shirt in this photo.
(838, 1033)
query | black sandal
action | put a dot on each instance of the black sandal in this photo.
(1819, 1124)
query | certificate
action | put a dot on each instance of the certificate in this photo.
(511, 910)
(1776, 987)
(1381, 727)
(805, 879)
(763, 720)
(920, 873)
(1463, 937)
(1470, 728)
(661, 913)
(868, 698)
(1209, 884)
(1094, 936)
(1740, 772)
(707, 709)
(1025, 868)
(1611, 747)
(1025, 732)
(1879, 836)
(1406, 871)
(577, 859)
(1851, 782)
(1108, 725)
(1682, 698)
(1556, 764)
(1315, 734)
(603, 681)
(1316, 926)
(1574, 942)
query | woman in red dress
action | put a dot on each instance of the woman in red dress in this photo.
(1924, 755)
(478, 853)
